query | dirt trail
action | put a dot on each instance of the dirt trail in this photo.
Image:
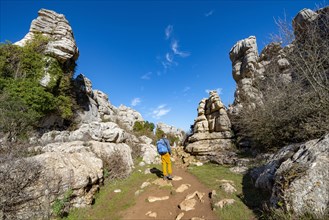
(169, 209)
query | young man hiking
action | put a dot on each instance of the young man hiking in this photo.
(164, 150)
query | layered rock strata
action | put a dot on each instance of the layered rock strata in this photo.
(55, 26)
(212, 129)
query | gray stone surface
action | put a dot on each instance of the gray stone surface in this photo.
(212, 129)
(298, 177)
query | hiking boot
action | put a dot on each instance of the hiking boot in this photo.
(165, 178)
(170, 177)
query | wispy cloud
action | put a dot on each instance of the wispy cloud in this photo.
(168, 31)
(160, 111)
(135, 101)
(169, 57)
(187, 88)
(147, 76)
(175, 49)
(209, 13)
(219, 90)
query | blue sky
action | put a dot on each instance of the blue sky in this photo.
(158, 57)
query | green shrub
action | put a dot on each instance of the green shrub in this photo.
(143, 128)
(16, 118)
(58, 207)
(21, 70)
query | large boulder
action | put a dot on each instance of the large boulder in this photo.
(76, 175)
(212, 129)
(297, 177)
(62, 44)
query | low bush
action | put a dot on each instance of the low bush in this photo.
(114, 166)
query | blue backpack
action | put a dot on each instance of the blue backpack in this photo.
(162, 147)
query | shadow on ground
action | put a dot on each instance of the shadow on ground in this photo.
(251, 196)
(156, 171)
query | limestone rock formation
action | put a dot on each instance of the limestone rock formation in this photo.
(168, 129)
(60, 175)
(128, 116)
(248, 67)
(94, 103)
(55, 26)
(212, 128)
(298, 177)
(98, 131)
(244, 57)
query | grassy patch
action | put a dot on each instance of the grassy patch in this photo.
(246, 198)
(109, 204)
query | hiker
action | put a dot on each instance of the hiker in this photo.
(164, 150)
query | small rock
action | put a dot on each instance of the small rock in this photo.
(177, 178)
(228, 188)
(197, 218)
(151, 214)
(141, 164)
(180, 216)
(187, 205)
(239, 170)
(162, 183)
(154, 198)
(224, 202)
(138, 192)
(213, 194)
(117, 191)
(182, 188)
(147, 171)
(198, 164)
(196, 193)
(145, 184)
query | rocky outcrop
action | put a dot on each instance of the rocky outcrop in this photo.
(168, 129)
(248, 67)
(297, 177)
(212, 129)
(244, 57)
(75, 168)
(55, 26)
(95, 105)
(128, 116)
(98, 131)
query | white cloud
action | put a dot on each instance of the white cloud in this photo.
(168, 31)
(187, 88)
(147, 76)
(135, 101)
(174, 48)
(160, 111)
(219, 90)
(209, 13)
(169, 57)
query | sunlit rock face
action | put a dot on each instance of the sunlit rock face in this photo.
(244, 57)
(62, 44)
(169, 129)
(212, 129)
(297, 177)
